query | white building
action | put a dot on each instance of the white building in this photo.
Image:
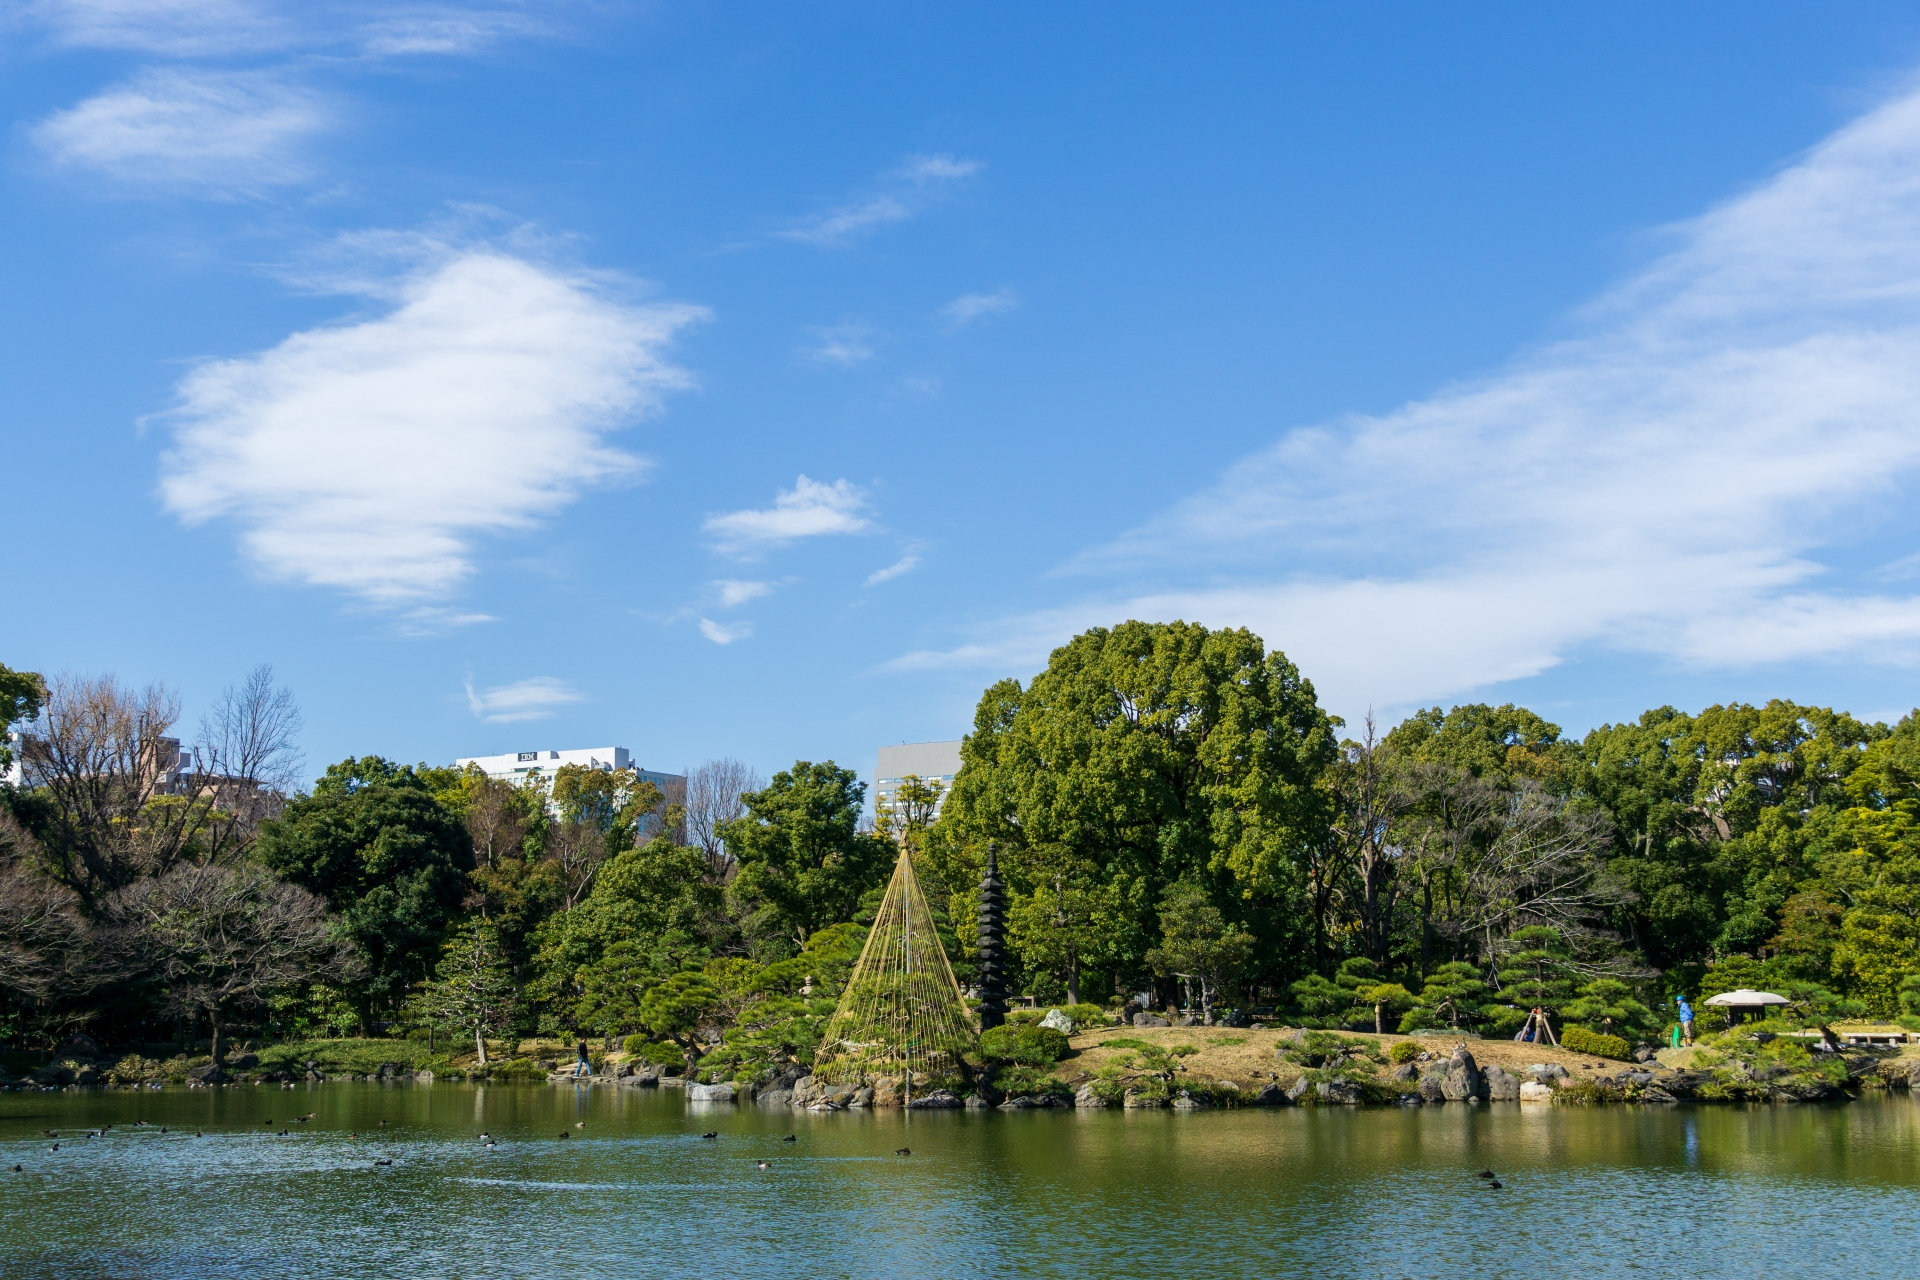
(517, 766)
(927, 761)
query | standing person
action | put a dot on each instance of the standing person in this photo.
(1686, 1019)
(581, 1066)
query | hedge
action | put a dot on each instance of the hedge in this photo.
(1581, 1040)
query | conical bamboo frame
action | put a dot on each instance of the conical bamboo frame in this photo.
(902, 1014)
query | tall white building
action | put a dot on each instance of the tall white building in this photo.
(517, 766)
(927, 761)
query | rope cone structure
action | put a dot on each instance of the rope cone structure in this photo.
(902, 1014)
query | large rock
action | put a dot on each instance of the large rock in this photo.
(722, 1092)
(1137, 1101)
(1059, 1022)
(1345, 1092)
(1149, 1020)
(938, 1100)
(1433, 1085)
(1405, 1073)
(775, 1098)
(1501, 1087)
(79, 1045)
(1534, 1091)
(861, 1098)
(1088, 1098)
(1185, 1101)
(209, 1074)
(242, 1061)
(86, 1076)
(1270, 1095)
(1299, 1089)
(1463, 1080)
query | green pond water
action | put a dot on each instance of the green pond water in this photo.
(1708, 1191)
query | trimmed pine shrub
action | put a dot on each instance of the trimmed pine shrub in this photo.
(1581, 1040)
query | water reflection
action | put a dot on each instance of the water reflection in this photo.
(1713, 1191)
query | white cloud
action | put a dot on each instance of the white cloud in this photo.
(443, 30)
(1680, 481)
(369, 456)
(915, 186)
(721, 633)
(531, 699)
(904, 565)
(732, 591)
(845, 345)
(807, 510)
(215, 131)
(969, 307)
(176, 28)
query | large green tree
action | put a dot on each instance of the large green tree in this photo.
(387, 856)
(1148, 754)
(803, 861)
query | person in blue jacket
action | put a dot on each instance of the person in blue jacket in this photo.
(1686, 1019)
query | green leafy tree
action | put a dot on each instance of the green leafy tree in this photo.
(471, 990)
(1149, 753)
(1451, 994)
(1607, 1005)
(1535, 972)
(21, 695)
(1198, 944)
(803, 861)
(387, 856)
(1071, 920)
(1876, 875)
(678, 1007)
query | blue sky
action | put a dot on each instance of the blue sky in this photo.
(766, 380)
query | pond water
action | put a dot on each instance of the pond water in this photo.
(637, 1191)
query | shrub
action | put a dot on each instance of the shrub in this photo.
(1405, 1051)
(1581, 1040)
(1020, 1017)
(1018, 1082)
(1324, 1048)
(659, 1053)
(1028, 1046)
(1087, 1015)
(1125, 1042)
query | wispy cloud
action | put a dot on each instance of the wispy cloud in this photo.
(1684, 480)
(845, 345)
(732, 591)
(807, 510)
(369, 456)
(904, 565)
(213, 132)
(530, 699)
(722, 633)
(969, 307)
(915, 186)
(175, 28)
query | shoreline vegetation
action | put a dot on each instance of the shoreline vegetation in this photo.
(1193, 855)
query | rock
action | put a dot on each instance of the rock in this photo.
(822, 1105)
(1270, 1095)
(938, 1100)
(1463, 1079)
(1547, 1071)
(1860, 1064)
(1299, 1089)
(1088, 1098)
(390, 1071)
(775, 1098)
(1433, 1085)
(86, 1077)
(722, 1092)
(1135, 1101)
(977, 1103)
(1059, 1022)
(1534, 1091)
(805, 1090)
(1149, 1020)
(79, 1045)
(1405, 1073)
(1501, 1087)
(861, 1098)
(1345, 1092)
(673, 1082)
(242, 1061)
(1637, 1077)
(1654, 1093)
(209, 1074)
(840, 1095)
(423, 1077)
(1184, 1101)
(1025, 1102)
(1913, 1077)
(1643, 1054)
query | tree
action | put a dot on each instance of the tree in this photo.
(1608, 1005)
(803, 861)
(21, 696)
(713, 798)
(471, 990)
(1451, 992)
(1198, 944)
(122, 800)
(1365, 853)
(1535, 974)
(1070, 920)
(678, 1007)
(374, 842)
(224, 937)
(1152, 753)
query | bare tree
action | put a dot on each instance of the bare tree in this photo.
(496, 820)
(224, 936)
(127, 801)
(713, 797)
(577, 848)
(1368, 803)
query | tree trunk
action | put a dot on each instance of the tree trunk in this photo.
(1206, 1002)
(213, 1018)
(480, 1043)
(1379, 1022)
(1073, 981)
